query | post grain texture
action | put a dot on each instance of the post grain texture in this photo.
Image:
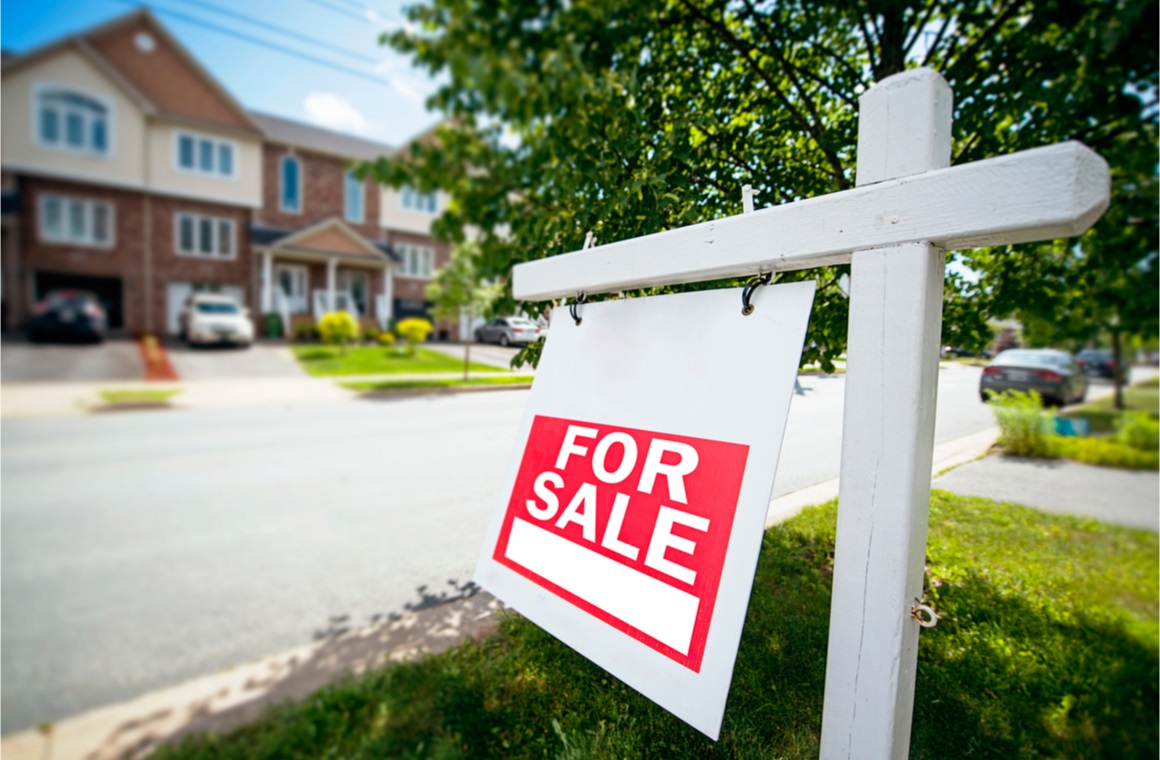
(887, 438)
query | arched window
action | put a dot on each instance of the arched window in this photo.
(291, 191)
(72, 121)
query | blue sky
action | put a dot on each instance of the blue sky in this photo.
(389, 110)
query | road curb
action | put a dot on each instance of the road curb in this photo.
(231, 698)
(946, 456)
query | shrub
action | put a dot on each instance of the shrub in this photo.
(1025, 429)
(414, 330)
(1105, 452)
(305, 332)
(371, 335)
(1139, 431)
(386, 339)
(337, 328)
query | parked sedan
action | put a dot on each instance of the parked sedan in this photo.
(508, 331)
(1054, 374)
(68, 315)
(212, 318)
(1100, 362)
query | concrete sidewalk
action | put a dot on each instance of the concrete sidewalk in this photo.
(1124, 497)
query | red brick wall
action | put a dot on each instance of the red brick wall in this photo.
(125, 259)
(170, 266)
(322, 193)
(165, 77)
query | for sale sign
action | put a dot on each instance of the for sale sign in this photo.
(632, 516)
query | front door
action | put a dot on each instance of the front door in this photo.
(291, 280)
(355, 282)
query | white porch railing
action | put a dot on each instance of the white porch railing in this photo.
(382, 310)
(343, 301)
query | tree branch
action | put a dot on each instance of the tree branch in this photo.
(937, 41)
(907, 45)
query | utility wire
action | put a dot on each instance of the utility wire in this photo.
(279, 29)
(260, 42)
(340, 9)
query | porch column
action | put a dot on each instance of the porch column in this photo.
(331, 267)
(388, 294)
(267, 282)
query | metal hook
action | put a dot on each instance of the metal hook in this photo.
(924, 614)
(580, 298)
(747, 291)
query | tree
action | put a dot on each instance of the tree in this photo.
(337, 328)
(457, 290)
(630, 118)
(414, 330)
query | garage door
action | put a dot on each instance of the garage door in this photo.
(177, 293)
(106, 289)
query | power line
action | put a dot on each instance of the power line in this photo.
(260, 42)
(279, 29)
(340, 9)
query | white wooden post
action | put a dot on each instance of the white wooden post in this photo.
(887, 438)
(331, 268)
(388, 294)
(267, 282)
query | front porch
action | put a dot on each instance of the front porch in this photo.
(328, 267)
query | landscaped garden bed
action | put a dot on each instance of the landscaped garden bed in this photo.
(328, 361)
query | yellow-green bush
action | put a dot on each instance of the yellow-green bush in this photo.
(1139, 431)
(1025, 429)
(386, 339)
(337, 328)
(414, 330)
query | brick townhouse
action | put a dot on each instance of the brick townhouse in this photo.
(127, 170)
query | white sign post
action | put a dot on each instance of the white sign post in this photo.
(908, 209)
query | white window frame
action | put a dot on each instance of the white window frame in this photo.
(64, 238)
(413, 258)
(347, 175)
(215, 230)
(408, 193)
(282, 184)
(217, 142)
(41, 88)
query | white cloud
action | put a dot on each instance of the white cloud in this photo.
(334, 111)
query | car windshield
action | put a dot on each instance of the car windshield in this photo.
(217, 307)
(1032, 358)
(520, 323)
(1094, 354)
(69, 298)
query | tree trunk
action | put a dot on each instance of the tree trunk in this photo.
(1117, 374)
(467, 358)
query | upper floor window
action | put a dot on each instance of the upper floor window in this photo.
(208, 236)
(205, 155)
(71, 120)
(416, 201)
(290, 193)
(354, 200)
(64, 219)
(418, 260)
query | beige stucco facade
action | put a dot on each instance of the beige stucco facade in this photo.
(165, 176)
(122, 166)
(393, 216)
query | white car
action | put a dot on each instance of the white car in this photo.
(212, 318)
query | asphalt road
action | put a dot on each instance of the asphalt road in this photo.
(142, 549)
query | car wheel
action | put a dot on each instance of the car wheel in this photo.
(503, 341)
(983, 397)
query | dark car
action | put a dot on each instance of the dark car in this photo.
(68, 315)
(1054, 374)
(1100, 362)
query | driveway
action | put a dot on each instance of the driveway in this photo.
(481, 353)
(214, 363)
(113, 360)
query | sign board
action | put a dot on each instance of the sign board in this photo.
(631, 515)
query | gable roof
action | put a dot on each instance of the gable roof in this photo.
(309, 137)
(152, 86)
(307, 240)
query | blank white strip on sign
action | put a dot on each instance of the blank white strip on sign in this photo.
(651, 606)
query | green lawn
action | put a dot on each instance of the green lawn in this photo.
(138, 395)
(1102, 415)
(378, 360)
(1047, 647)
(436, 382)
